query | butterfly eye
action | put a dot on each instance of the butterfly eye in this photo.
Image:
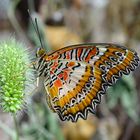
(40, 52)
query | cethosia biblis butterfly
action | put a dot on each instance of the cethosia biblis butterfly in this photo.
(76, 76)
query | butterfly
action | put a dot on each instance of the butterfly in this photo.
(75, 77)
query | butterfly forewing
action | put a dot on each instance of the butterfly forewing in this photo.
(78, 75)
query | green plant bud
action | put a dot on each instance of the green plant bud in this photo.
(14, 66)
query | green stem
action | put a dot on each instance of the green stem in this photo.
(16, 126)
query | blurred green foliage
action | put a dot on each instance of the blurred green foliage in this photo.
(124, 91)
(42, 125)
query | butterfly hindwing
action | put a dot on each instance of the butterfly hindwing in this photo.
(78, 75)
(74, 88)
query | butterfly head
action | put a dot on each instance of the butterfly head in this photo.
(40, 52)
(41, 61)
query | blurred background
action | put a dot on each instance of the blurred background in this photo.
(67, 22)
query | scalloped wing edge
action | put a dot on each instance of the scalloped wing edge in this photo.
(92, 107)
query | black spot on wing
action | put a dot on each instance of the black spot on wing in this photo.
(78, 65)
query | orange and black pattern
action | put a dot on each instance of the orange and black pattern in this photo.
(76, 76)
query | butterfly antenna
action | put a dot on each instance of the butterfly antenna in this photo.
(36, 28)
(38, 32)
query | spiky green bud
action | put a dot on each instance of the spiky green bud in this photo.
(14, 64)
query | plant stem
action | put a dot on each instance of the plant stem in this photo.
(16, 126)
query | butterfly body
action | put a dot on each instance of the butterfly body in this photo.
(76, 76)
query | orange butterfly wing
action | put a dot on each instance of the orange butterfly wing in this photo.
(78, 75)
